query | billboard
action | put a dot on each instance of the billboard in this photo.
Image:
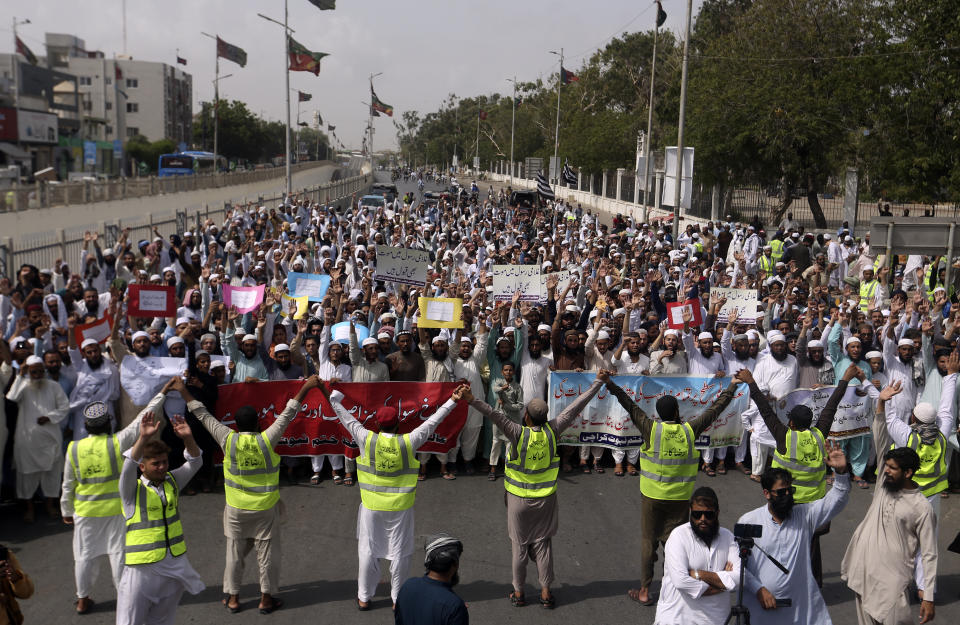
(8, 124)
(36, 127)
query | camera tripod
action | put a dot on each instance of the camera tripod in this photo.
(739, 613)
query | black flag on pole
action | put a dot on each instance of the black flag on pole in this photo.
(543, 187)
(568, 175)
(661, 15)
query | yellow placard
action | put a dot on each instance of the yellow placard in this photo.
(440, 312)
(303, 304)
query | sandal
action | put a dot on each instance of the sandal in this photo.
(517, 601)
(567, 467)
(743, 468)
(598, 469)
(87, 606)
(585, 468)
(944, 494)
(348, 480)
(632, 470)
(862, 483)
(337, 479)
(361, 607)
(549, 603)
(618, 472)
(829, 480)
(722, 469)
(755, 478)
(492, 476)
(449, 475)
(226, 603)
(315, 479)
(709, 470)
(274, 606)
(634, 593)
(421, 477)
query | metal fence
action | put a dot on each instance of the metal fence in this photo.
(43, 249)
(45, 194)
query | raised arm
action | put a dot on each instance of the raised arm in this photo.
(566, 417)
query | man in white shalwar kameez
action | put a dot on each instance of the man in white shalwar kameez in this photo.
(38, 441)
(776, 375)
(150, 593)
(97, 536)
(787, 530)
(385, 534)
(98, 380)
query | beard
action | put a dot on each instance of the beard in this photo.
(742, 355)
(906, 361)
(633, 352)
(782, 506)
(892, 486)
(816, 360)
(779, 356)
(707, 353)
(707, 535)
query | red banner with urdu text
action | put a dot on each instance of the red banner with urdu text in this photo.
(316, 429)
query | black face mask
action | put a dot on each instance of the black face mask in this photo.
(782, 506)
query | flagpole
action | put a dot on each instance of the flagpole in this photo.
(677, 209)
(476, 154)
(216, 109)
(513, 123)
(648, 138)
(556, 133)
(286, 73)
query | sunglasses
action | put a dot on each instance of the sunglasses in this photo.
(780, 492)
(709, 515)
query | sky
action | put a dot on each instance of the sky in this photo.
(425, 49)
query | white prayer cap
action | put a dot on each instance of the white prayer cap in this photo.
(593, 313)
(249, 337)
(466, 339)
(572, 308)
(155, 277)
(281, 347)
(438, 339)
(672, 332)
(188, 234)
(767, 247)
(502, 339)
(370, 340)
(704, 336)
(775, 336)
(508, 330)
(384, 335)
(753, 334)
(603, 335)
(140, 334)
(619, 311)
(873, 354)
(182, 320)
(854, 339)
(387, 315)
(544, 328)
(924, 412)
(87, 343)
(52, 297)
(905, 343)
(547, 264)
(33, 360)
(827, 237)
(218, 363)
(815, 344)
(174, 340)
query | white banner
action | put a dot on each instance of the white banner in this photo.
(854, 414)
(402, 264)
(142, 378)
(670, 179)
(743, 300)
(508, 279)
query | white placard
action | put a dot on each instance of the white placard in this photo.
(402, 264)
(670, 177)
(439, 311)
(142, 378)
(153, 301)
(244, 299)
(743, 300)
(99, 332)
(508, 279)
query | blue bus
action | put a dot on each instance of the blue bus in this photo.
(187, 164)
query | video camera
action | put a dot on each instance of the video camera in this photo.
(747, 530)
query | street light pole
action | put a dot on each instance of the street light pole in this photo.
(286, 73)
(556, 133)
(649, 137)
(513, 123)
(677, 209)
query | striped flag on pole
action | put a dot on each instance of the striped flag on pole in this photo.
(543, 187)
(568, 175)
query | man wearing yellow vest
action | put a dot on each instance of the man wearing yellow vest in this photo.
(254, 511)
(776, 249)
(90, 499)
(766, 263)
(668, 472)
(530, 478)
(801, 447)
(156, 569)
(868, 290)
(927, 435)
(387, 472)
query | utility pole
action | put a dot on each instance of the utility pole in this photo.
(286, 73)
(513, 123)
(677, 210)
(370, 121)
(556, 132)
(648, 139)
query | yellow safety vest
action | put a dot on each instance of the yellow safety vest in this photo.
(96, 463)
(804, 461)
(932, 476)
(533, 466)
(251, 472)
(387, 472)
(154, 528)
(766, 264)
(867, 292)
(668, 462)
(776, 250)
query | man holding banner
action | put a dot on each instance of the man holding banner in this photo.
(668, 472)
(387, 471)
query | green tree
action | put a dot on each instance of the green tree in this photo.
(144, 151)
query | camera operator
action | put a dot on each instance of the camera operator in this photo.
(14, 584)
(787, 530)
(701, 564)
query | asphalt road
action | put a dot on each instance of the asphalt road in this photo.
(596, 554)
